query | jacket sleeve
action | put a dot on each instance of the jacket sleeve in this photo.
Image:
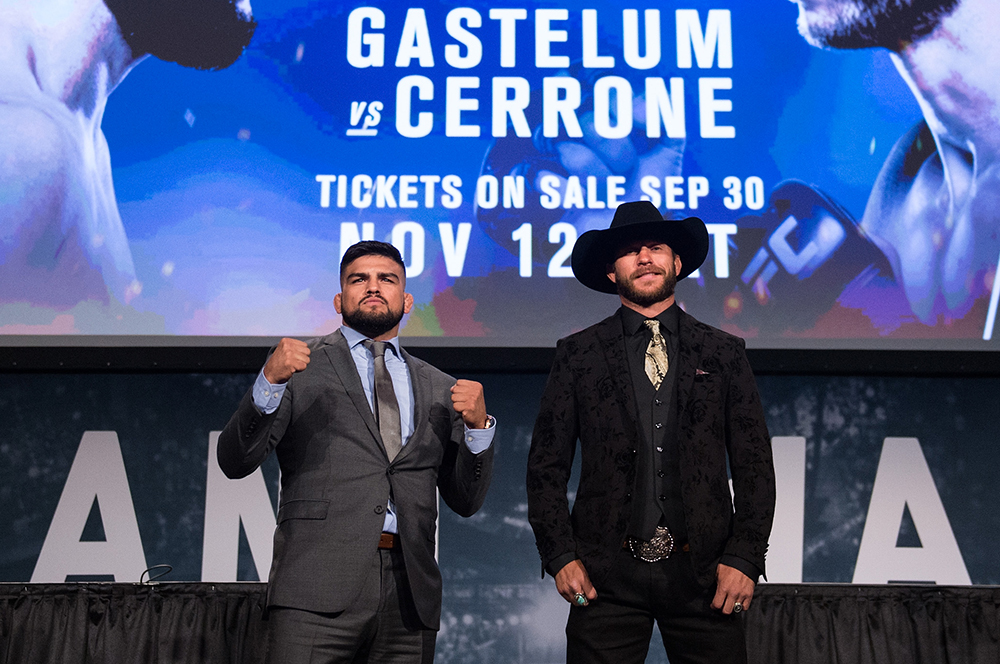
(751, 464)
(464, 477)
(249, 436)
(550, 461)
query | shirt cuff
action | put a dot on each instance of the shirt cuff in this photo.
(479, 440)
(267, 396)
(742, 565)
(559, 562)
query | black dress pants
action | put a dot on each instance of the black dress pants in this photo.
(616, 627)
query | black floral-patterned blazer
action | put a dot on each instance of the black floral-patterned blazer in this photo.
(589, 397)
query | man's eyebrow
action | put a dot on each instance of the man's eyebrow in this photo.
(366, 275)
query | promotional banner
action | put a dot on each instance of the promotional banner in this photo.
(212, 187)
(879, 480)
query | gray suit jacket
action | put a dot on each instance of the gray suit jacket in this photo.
(336, 477)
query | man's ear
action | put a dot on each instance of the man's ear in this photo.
(677, 264)
(337, 302)
(609, 269)
(407, 303)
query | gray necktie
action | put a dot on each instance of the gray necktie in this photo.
(656, 355)
(386, 407)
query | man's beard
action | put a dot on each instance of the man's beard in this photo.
(891, 24)
(372, 324)
(627, 290)
(204, 34)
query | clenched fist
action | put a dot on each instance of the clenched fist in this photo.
(468, 401)
(290, 356)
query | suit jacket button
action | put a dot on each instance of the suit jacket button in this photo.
(379, 509)
(392, 471)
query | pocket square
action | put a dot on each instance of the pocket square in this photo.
(699, 372)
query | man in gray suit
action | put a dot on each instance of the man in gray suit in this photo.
(365, 434)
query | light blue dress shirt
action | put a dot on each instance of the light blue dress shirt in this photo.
(267, 396)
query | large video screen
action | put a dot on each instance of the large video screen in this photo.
(195, 169)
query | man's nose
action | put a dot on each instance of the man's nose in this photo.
(644, 255)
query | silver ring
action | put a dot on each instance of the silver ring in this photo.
(737, 607)
(580, 599)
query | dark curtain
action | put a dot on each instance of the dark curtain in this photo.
(850, 624)
(117, 623)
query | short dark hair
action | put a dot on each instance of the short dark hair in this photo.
(193, 33)
(370, 248)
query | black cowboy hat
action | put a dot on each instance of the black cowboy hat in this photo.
(637, 221)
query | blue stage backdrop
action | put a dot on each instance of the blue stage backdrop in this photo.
(164, 199)
(879, 480)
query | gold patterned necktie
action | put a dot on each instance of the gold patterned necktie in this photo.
(656, 355)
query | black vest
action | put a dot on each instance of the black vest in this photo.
(657, 492)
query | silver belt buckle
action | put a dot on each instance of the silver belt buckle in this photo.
(658, 548)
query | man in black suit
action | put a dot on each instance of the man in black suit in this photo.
(658, 401)
(365, 435)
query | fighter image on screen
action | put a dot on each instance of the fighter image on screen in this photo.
(933, 210)
(572, 160)
(61, 236)
(581, 167)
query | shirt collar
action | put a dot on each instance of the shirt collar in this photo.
(355, 338)
(633, 321)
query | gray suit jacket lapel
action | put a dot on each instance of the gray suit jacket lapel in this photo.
(335, 347)
(421, 384)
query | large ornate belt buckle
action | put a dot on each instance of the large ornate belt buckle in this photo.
(657, 548)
